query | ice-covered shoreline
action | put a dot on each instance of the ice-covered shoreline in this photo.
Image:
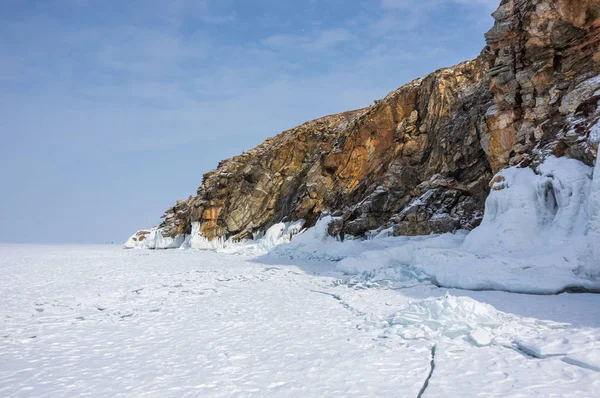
(538, 236)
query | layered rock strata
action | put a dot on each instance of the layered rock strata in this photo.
(421, 159)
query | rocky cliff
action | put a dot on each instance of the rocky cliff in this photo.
(421, 159)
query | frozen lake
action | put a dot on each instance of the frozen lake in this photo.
(103, 321)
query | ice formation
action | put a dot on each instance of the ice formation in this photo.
(451, 317)
(538, 236)
(594, 207)
(525, 210)
(277, 234)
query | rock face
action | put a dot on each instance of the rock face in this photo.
(542, 63)
(421, 159)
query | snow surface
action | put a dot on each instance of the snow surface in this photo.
(296, 312)
(103, 321)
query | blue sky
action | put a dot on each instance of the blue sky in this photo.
(111, 110)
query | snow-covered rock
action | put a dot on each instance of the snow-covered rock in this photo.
(153, 239)
(138, 240)
(539, 235)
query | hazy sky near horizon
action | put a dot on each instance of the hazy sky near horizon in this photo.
(111, 110)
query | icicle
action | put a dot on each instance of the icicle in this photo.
(594, 202)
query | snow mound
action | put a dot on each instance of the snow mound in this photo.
(540, 273)
(464, 318)
(315, 243)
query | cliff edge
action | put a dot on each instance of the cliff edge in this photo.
(419, 161)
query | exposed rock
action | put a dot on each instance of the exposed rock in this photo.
(421, 158)
(335, 227)
(176, 219)
(369, 161)
(542, 64)
(140, 236)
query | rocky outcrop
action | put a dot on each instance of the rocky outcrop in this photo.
(367, 165)
(542, 62)
(420, 160)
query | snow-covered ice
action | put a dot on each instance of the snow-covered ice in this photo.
(103, 321)
(297, 312)
(108, 322)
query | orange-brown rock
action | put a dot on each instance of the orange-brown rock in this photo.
(367, 164)
(540, 57)
(421, 159)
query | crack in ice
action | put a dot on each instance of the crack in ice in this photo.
(342, 302)
(431, 369)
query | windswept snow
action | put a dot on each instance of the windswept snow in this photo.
(297, 312)
(503, 372)
(108, 322)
